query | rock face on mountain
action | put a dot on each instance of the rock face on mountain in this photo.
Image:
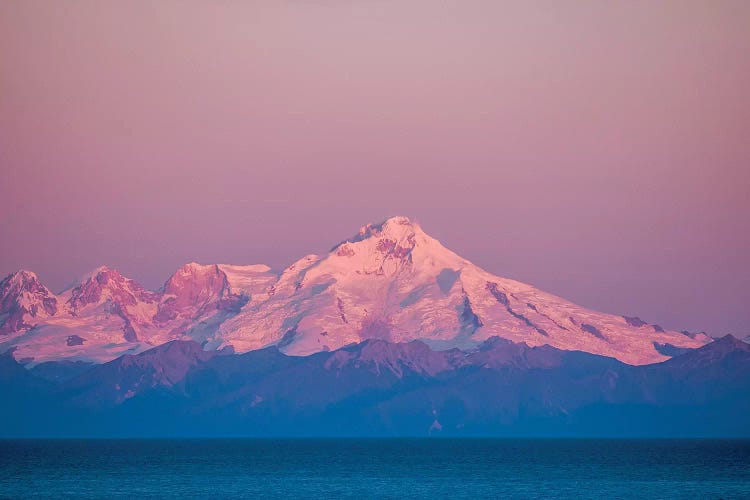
(389, 282)
(192, 292)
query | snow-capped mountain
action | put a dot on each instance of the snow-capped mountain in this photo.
(108, 315)
(23, 302)
(391, 281)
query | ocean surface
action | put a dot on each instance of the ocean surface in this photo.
(325, 468)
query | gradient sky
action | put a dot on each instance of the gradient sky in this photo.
(599, 150)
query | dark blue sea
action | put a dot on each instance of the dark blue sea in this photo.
(326, 468)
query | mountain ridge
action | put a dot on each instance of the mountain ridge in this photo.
(389, 281)
(379, 388)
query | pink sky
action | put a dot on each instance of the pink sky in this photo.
(598, 150)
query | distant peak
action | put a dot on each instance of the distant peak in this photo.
(398, 223)
(21, 294)
(727, 343)
(395, 228)
(22, 281)
(192, 275)
(193, 270)
(193, 267)
(398, 240)
(101, 272)
(730, 340)
(400, 220)
(21, 276)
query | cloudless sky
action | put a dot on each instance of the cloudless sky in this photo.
(599, 150)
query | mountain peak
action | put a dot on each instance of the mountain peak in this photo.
(104, 277)
(195, 289)
(396, 227)
(396, 358)
(193, 273)
(106, 284)
(729, 342)
(195, 266)
(22, 281)
(391, 223)
(21, 276)
(399, 239)
(712, 353)
(393, 228)
(102, 274)
(22, 297)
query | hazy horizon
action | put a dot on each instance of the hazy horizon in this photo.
(599, 151)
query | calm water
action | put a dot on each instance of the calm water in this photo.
(440, 468)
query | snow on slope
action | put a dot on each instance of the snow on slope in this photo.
(108, 315)
(250, 280)
(390, 281)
